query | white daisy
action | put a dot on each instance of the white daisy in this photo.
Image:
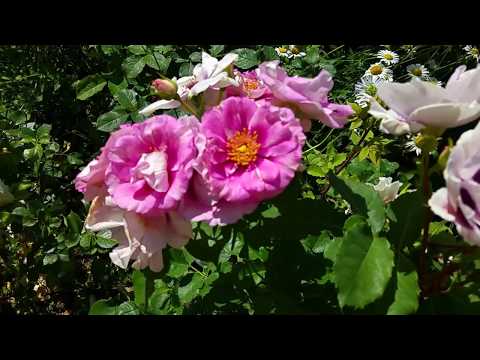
(419, 71)
(388, 57)
(296, 52)
(283, 51)
(366, 87)
(381, 71)
(472, 51)
(411, 146)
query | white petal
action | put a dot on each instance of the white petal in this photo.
(404, 98)
(209, 64)
(224, 63)
(103, 217)
(160, 104)
(464, 86)
(445, 115)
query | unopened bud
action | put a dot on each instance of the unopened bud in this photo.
(165, 89)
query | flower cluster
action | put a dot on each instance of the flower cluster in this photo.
(242, 146)
(420, 106)
(291, 52)
(376, 74)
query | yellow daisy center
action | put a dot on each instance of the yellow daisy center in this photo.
(376, 69)
(282, 49)
(388, 56)
(417, 72)
(474, 51)
(295, 51)
(242, 148)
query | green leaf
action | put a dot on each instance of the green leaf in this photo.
(139, 287)
(409, 213)
(127, 98)
(190, 291)
(157, 61)
(109, 49)
(50, 259)
(43, 133)
(110, 121)
(105, 243)
(186, 69)
(231, 248)
(247, 58)
(331, 249)
(312, 55)
(127, 308)
(158, 299)
(114, 88)
(103, 307)
(269, 53)
(178, 263)
(86, 240)
(195, 57)
(363, 265)
(74, 223)
(137, 49)
(317, 244)
(363, 199)
(406, 295)
(216, 50)
(133, 66)
(89, 86)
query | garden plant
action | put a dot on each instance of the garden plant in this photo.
(267, 179)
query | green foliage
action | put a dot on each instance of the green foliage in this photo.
(363, 265)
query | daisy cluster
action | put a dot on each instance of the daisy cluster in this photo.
(292, 51)
(376, 73)
(240, 145)
(381, 71)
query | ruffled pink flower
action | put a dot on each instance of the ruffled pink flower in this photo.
(308, 98)
(250, 86)
(149, 164)
(91, 180)
(141, 237)
(251, 154)
(459, 201)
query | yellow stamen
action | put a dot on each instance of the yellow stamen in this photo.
(282, 49)
(417, 72)
(376, 69)
(242, 148)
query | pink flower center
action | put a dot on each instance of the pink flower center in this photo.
(242, 148)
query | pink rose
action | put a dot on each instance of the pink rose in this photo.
(141, 237)
(251, 154)
(149, 164)
(308, 98)
(250, 86)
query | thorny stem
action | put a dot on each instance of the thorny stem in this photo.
(427, 219)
